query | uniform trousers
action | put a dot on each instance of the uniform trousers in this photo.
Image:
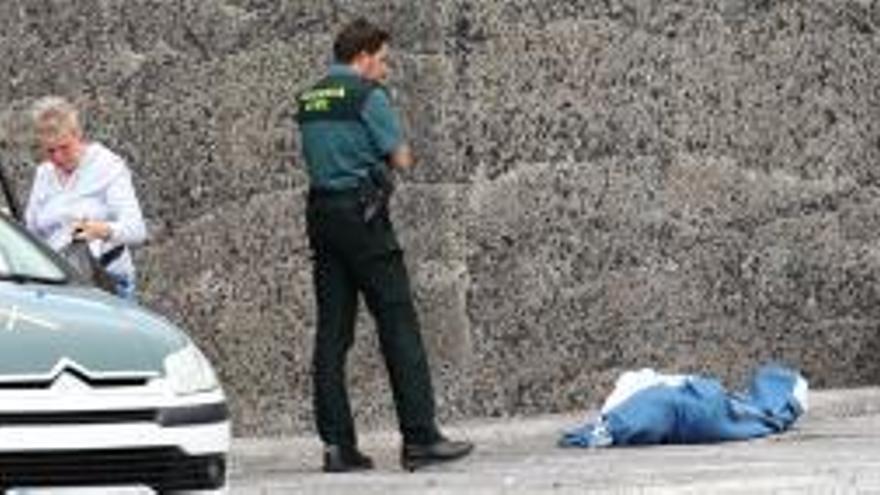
(350, 257)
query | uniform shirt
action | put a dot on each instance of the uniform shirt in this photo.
(100, 188)
(340, 153)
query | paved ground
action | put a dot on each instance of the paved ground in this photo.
(835, 449)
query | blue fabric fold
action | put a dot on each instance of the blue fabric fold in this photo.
(701, 410)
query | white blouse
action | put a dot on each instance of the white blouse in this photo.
(100, 188)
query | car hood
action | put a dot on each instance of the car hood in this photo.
(46, 329)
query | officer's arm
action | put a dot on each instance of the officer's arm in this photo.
(385, 129)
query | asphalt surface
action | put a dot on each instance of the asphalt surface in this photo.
(833, 449)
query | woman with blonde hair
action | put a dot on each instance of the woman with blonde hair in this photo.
(83, 191)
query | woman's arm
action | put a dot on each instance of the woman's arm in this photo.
(127, 222)
(31, 209)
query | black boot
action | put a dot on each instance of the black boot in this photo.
(415, 456)
(343, 459)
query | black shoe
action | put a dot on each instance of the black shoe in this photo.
(343, 459)
(415, 456)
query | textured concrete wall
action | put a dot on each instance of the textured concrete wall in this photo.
(688, 185)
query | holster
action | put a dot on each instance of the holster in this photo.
(374, 193)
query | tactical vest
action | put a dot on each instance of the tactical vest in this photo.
(336, 98)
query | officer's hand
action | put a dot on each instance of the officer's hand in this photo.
(401, 158)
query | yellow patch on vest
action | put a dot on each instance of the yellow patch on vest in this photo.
(318, 100)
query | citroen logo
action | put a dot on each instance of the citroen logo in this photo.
(14, 315)
(69, 381)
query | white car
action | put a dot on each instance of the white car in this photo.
(96, 391)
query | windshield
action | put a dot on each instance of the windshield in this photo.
(23, 260)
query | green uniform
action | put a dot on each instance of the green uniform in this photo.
(347, 129)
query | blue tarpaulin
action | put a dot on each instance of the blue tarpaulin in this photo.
(695, 409)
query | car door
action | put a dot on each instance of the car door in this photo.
(10, 201)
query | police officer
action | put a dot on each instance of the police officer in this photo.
(351, 137)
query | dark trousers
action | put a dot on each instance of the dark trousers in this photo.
(352, 257)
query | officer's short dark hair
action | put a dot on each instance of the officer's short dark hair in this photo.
(359, 36)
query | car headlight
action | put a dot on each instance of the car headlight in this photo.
(189, 372)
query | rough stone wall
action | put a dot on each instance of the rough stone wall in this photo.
(604, 184)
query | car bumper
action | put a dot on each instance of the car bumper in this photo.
(192, 440)
(159, 441)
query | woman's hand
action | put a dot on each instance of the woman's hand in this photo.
(90, 230)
